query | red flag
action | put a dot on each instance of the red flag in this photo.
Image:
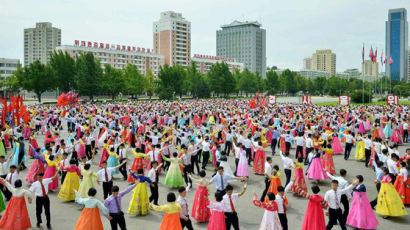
(390, 61)
(375, 56)
(371, 55)
(363, 54)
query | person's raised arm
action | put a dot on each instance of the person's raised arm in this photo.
(243, 189)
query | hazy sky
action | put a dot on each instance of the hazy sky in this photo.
(294, 28)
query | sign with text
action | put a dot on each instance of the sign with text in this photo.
(344, 100)
(272, 99)
(392, 99)
(306, 99)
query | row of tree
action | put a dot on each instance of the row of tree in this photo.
(85, 76)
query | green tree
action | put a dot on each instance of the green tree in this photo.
(112, 81)
(171, 80)
(272, 82)
(289, 81)
(150, 84)
(11, 84)
(221, 79)
(358, 96)
(320, 83)
(89, 75)
(135, 82)
(196, 83)
(37, 78)
(64, 69)
(248, 82)
(403, 89)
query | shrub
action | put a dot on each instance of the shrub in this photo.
(357, 96)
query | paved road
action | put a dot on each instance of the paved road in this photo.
(64, 215)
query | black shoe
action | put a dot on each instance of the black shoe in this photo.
(38, 225)
(49, 226)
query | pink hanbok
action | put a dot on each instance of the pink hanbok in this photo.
(336, 145)
(361, 214)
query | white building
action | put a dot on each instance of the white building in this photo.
(8, 66)
(307, 63)
(204, 63)
(312, 74)
(118, 56)
(172, 38)
(40, 42)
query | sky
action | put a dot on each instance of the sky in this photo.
(294, 28)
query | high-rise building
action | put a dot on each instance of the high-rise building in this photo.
(7, 67)
(352, 73)
(324, 60)
(370, 68)
(204, 63)
(307, 63)
(172, 38)
(397, 44)
(40, 42)
(408, 63)
(245, 42)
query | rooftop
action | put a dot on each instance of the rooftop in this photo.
(238, 23)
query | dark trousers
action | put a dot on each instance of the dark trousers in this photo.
(345, 203)
(123, 171)
(117, 219)
(236, 164)
(267, 183)
(75, 157)
(367, 153)
(299, 151)
(373, 203)
(40, 203)
(88, 152)
(166, 165)
(20, 161)
(288, 174)
(7, 194)
(273, 145)
(308, 150)
(187, 170)
(348, 149)
(283, 220)
(63, 174)
(405, 136)
(186, 223)
(287, 144)
(205, 159)
(228, 147)
(231, 219)
(249, 155)
(154, 193)
(194, 162)
(335, 215)
(107, 186)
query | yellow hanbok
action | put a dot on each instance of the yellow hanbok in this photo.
(71, 182)
(88, 182)
(389, 202)
(359, 154)
(139, 204)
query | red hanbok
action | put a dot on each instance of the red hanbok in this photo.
(403, 188)
(259, 162)
(314, 218)
(200, 211)
(299, 183)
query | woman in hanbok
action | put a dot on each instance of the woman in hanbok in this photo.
(336, 145)
(299, 182)
(200, 211)
(227, 168)
(26, 132)
(314, 218)
(275, 181)
(270, 219)
(51, 171)
(104, 153)
(242, 169)
(259, 160)
(174, 177)
(139, 204)
(172, 211)
(402, 184)
(389, 202)
(361, 127)
(396, 137)
(360, 152)
(315, 170)
(327, 160)
(16, 215)
(361, 215)
(113, 159)
(138, 163)
(36, 167)
(387, 131)
(33, 142)
(88, 180)
(15, 160)
(81, 148)
(90, 217)
(71, 182)
(217, 219)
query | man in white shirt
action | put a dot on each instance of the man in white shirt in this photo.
(349, 144)
(40, 190)
(153, 176)
(333, 199)
(309, 147)
(280, 201)
(228, 143)
(405, 132)
(122, 153)
(220, 179)
(368, 144)
(342, 185)
(229, 201)
(248, 148)
(392, 166)
(205, 152)
(287, 166)
(105, 175)
(267, 174)
(300, 142)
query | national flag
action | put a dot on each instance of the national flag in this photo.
(381, 58)
(390, 61)
(363, 54)
(375, 56)
(371, 55)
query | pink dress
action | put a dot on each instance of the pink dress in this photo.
(336, 146)
(104, 157)
(50, 172)
(361, 214)
(243, 169)
(217, 220)
(81, 149)
(361, 128)
(395, 138)
(316, 171)
(200, 211)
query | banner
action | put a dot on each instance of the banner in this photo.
(306, 99)
(272, 99)
(392, 99)
(344, 100)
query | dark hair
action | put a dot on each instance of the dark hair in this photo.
(181, 189)
(87, 166)
(115, 188)
(335, 181)
(202, 173)
(360, 177)
(276, 167)
(219, 196)
(104, 162)
(13, 167)
(72, 161)
(140, 171)
(18, 183)
(268, 158)
(51, 157)
(92, 192)
(271, 195)
(403, 164)
(229, 187)
(315, 189)
(342, 172)
(280, 189)
(171, 197)
(220, 168)
(394, 156)
(40, 174)
(300, 159)
(175, 154)
(154, 162)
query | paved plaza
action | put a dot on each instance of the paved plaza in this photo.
(64, 215)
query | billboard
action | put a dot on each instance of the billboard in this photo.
(272, 99)
(306, 99)
(344, 100)
(392, 99)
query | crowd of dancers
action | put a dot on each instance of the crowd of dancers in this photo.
(189, 144)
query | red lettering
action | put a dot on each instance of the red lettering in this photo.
(133, 48)
(89, 44)
(101, 45)
(107, 46)
(76, 42)
(82, 43)
(143, 50)
(138, 49)
(118, 47)
(95, 44)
